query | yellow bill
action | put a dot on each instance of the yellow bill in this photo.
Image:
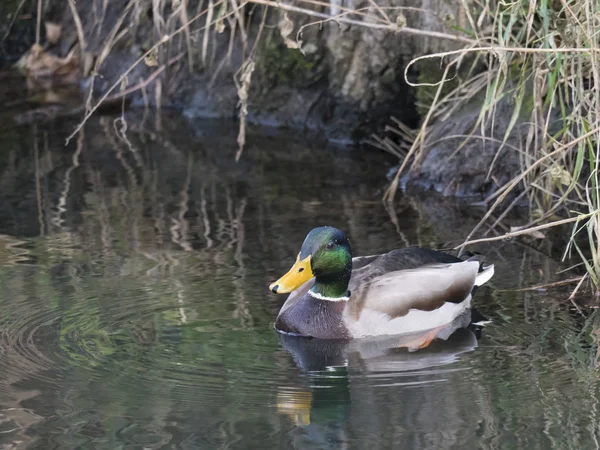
(299, 274)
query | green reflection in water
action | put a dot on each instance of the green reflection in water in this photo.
(134, 310)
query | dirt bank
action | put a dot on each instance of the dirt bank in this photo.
(344, 82)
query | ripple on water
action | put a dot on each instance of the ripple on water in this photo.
(130, 341)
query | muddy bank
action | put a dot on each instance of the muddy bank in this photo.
(460, 159)
(344, 83)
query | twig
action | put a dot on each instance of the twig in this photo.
(377, 26)
(528, 230)
(545, 286)
(209, 16)
(38, 26)
(240, 20)
(521, 176)
(142, 84)
(572, 296)
(78, 26)
(507, 210)
(112, 37)
(358, 11)
(165, 38)
(493, 49)
(380, 11)
(188, 37)
(243, 86)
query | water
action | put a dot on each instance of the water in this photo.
(135, 314)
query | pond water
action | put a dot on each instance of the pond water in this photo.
(135, 311)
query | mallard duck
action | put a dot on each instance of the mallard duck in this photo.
(409, 290)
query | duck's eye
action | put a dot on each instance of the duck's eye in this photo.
(329, 245)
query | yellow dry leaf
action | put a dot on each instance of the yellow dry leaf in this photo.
(400, 21)
(151, 59)
(561, 175)
(292, 44)
(286, 26)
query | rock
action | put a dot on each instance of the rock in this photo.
(459, 160)
(479, 166)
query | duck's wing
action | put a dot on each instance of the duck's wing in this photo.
(424, 288)
(359, 262)
(400, 259)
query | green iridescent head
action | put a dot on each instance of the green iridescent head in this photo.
(325, 255)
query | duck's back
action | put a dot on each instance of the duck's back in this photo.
(366, 268)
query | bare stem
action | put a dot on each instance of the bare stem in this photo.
(528, 230)
(376, 26)
(78, 26)
(38, 26)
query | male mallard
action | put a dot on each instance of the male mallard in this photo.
(335, 296)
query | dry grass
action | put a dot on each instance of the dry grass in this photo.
(173, 26)
(545, 55)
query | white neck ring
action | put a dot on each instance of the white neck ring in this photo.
(329, 299)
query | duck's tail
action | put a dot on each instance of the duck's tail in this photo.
(484, 274)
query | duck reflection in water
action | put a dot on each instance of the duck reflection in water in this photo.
(337, 376)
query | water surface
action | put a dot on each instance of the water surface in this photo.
(135, 314)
